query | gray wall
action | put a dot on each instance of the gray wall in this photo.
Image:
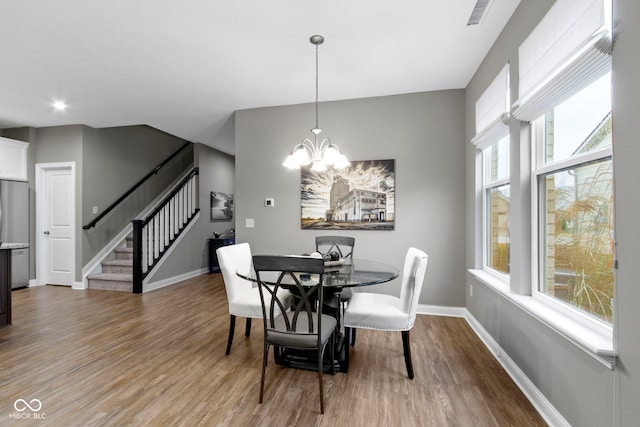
(108, 161)
(584, 391)
(217, 173)
(114, 159)
(191, 253)
(423, 132)
(61, 144)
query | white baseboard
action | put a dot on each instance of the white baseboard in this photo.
(439, 310)
(76, 285)
(173, 280)
(535, 396)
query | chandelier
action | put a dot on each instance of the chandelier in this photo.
(320, 152)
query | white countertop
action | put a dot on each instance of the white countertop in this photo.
(6, 245)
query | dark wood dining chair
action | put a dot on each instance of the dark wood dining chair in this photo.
(343, 246)
(303, 326)
(390, 313)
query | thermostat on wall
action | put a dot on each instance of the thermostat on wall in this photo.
(269, 203)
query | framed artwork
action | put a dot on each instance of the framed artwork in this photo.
(221, 206)
(360, 197)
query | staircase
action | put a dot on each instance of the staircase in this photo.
(117, 273)
(153, 234)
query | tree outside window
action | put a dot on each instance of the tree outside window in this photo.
(576, 216)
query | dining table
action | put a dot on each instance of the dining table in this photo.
(338, 275)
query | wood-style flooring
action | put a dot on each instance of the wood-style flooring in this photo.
(107, 358)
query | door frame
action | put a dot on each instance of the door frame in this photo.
(40, 170)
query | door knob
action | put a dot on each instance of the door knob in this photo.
(46, 233)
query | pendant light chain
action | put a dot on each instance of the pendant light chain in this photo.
(317, 127)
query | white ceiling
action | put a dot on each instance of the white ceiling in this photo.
(184, 66)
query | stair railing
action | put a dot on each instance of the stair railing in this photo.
(154, 235)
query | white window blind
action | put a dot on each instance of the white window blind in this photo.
(492, 111)
(569, 49)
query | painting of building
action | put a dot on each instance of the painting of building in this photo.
(360, 197)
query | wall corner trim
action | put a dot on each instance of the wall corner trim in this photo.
(152, 286)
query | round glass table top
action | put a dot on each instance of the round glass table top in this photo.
(346, 274)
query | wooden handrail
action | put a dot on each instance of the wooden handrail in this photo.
(132, 189)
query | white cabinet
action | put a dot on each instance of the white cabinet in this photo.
(13, 159)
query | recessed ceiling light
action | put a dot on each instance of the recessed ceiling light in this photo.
(59, 105)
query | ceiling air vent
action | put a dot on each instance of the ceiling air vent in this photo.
(479, 11)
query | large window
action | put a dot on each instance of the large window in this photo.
(496, 202)
(492, 140)
(556, 197)
(573, 175)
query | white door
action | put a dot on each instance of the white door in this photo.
(55, 207)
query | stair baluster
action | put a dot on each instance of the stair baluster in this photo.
(155, 234)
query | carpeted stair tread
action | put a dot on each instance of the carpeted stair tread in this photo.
(118, 262)
(112, 276)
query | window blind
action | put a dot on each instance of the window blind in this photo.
(569, 49)
(492, 111)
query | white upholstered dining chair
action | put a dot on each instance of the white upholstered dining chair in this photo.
(242, 296)
(390, 313)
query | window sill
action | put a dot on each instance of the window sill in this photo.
(592, 337)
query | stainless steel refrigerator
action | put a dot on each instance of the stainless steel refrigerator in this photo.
(14, 227)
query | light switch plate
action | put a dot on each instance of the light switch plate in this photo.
(249, 223)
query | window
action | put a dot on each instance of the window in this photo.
(496, 203)
(573, 173)
(492, 139)
(559, 266)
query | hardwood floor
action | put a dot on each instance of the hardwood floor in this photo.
(106, 358)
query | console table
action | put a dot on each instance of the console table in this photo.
(214, 244)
